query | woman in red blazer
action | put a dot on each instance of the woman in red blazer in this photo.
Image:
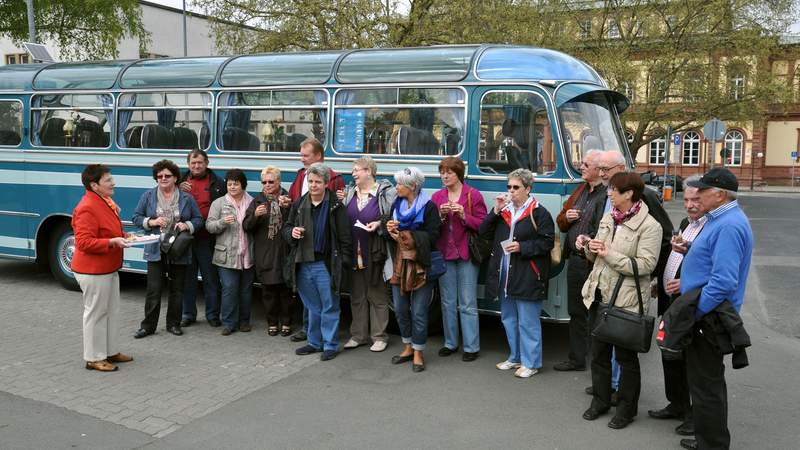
(99, 241)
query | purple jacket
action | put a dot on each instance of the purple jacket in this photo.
(453, 233)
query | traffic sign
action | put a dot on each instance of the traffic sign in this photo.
(676, 139)
(714, 129)
(794, 155)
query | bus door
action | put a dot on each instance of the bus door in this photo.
(14, 212)
(512, 128)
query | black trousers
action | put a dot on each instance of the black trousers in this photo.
(706, 372)
(676, 386)
(276, 299)
(157, 279)
(577, 271)
(630, 381)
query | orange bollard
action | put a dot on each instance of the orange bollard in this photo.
(667, 193)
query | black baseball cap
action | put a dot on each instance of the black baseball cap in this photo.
(718, 177)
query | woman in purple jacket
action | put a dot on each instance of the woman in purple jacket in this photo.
(462, 210)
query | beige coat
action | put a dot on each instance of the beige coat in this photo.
(639, 237)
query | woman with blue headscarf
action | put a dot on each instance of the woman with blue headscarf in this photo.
(414, 229)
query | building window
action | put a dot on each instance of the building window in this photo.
(585, 28)
(691, 148)
(613, 29)
(732, 152)
(629, 89)
(657, 148)
(737, 86)
(17, 58)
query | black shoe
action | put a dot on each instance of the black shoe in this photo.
(246, 328)
(691, 444)
(306, 350)
(226, 331)
(589, 390)
(592, 414)
(469, 356)
(685, 429)
(141, 332)
(186, 322)
(399, 359)
(175, 329)
(215, 323)
(567, 366)
(328, 355)
(300, 336)
(614, 398)
(447, 351)
(664, 413)
(417, 368)
(619, 423)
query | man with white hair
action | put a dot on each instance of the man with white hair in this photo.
(718, 263)
(581, 214)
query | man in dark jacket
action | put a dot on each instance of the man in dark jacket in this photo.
(580, 215)
(205, 187)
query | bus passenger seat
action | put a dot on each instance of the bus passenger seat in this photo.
(52, 132)
(184, 138)
(156, 136)
(9, 137)
(413, 141)
(133, 137)
(205, 136)
(293, 142)
(234, 138)
(90, 134)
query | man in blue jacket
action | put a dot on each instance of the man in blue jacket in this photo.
(718, 262)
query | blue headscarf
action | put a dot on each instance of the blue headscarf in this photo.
(410, 216)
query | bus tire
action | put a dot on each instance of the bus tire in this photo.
(60, 251)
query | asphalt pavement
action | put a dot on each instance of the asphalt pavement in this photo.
(205, 391)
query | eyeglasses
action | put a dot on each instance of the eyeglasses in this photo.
(164, 176)
(268, 182)
(607, 169)
(513, 187)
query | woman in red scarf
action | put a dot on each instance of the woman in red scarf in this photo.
(99, 241)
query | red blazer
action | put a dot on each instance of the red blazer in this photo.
(94, 224)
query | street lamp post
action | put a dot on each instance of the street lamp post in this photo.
(31, 22)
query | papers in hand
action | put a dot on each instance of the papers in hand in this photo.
(358, 224)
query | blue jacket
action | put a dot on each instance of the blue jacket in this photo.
(146, 209)
(719, 259)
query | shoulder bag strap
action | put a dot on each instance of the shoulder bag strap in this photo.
(535, 226)
(638, 288)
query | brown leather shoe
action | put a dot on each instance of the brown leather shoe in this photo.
(102, 366)
(120, 358)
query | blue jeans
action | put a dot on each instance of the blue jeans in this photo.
(411, 311)
(314, 286)
(202, 252)
(523, 329)
(615, 371)
(459, 289)
(237, 296)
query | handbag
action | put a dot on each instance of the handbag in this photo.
(437, 267)
(479, 248)
(623, 328)
(556, 251)
(175, 243)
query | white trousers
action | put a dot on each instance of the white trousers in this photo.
(100, 315)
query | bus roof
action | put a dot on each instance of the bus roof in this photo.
(452, 63)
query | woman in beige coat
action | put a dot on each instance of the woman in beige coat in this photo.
(627, 231)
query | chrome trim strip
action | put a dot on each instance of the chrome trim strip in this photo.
(18, 214)
(10, 256)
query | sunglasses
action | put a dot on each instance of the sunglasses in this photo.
(268, 182)
(513, 187)
(164, 177)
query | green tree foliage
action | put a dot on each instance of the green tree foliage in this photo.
(83, 29)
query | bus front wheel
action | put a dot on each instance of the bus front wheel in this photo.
(61, 249)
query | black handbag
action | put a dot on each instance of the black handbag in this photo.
(623, 328)
(175, 243)
(479, 248)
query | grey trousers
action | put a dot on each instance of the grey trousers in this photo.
(100, 315)
(370, 305)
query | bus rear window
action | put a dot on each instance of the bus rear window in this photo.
(10, 123)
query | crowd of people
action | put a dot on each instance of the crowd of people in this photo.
(383, 241)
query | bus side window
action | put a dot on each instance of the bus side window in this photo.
(10, 123)
(71, 120)
(515, 133)
(163, 120)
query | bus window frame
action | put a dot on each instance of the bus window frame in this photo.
(217, 108)
(426, 158)
(165, 92)
(21, 122)
(550, 106)
(112, 126)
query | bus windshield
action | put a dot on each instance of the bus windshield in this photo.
(588, 124)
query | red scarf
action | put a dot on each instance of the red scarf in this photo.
(622, 217)
(506, 213)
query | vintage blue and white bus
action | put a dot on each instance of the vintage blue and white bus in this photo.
(497, 107)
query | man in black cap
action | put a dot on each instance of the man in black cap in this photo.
(717, 262)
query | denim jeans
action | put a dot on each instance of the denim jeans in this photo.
(314, 286)
(615, 371)
(202, 252)
(459, 289)
(523, 326)
(411, 311)
(237, 296)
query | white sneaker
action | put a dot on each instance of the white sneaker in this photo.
(378, 346)
(352, 343)
(524, 372)
(507, 365)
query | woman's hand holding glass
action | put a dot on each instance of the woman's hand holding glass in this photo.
(581, 241)
(512, 247)
(298, 232)
(181, 226)
(160, 222)
(372, 226)
(457, 209)
(599, 247)
(391, 227)
(500, 202)
(261, 210)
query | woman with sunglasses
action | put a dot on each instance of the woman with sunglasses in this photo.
(519, 269)
(263, 220)
(163, 208)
